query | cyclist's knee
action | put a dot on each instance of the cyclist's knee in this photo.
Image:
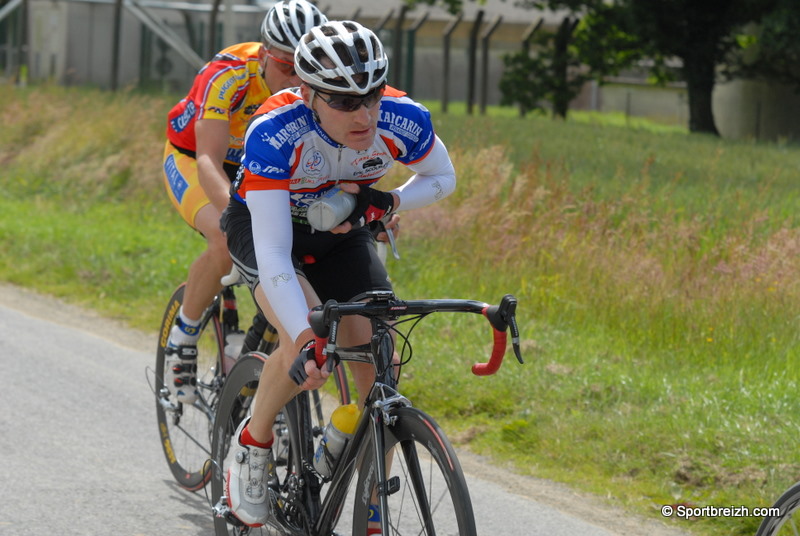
(219, 249)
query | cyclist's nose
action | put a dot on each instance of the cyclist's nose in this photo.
(361, 116)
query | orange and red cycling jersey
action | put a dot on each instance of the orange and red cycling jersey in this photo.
(229, 87)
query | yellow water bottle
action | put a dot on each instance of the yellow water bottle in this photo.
(338, 432)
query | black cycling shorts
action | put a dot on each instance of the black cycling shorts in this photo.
(338, 266)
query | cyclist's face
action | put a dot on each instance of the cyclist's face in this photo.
(355, 129)
(279, 70)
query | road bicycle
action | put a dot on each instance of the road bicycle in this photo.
(399, 472)
(785, 523)
(185, 429)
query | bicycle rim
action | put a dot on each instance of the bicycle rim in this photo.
(428, 493)
(788, 523)
(185, 430)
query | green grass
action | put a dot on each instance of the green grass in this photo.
(657, 274)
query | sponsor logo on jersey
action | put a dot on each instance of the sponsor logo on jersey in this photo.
(372, 164)
(228, 83)
(401, 125)
(179, 123)
(234, 155)
(257, 169)
(177, 183)
(313, 162)
(289, 133)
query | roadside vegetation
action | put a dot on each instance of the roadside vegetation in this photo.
(658, 277)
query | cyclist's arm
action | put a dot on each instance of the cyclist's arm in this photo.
(272, 239)
(434, 179)
(213, 136)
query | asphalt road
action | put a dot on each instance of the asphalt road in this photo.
(79, 451)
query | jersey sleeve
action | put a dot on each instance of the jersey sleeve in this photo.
(434, 179)
(407, 130)
(223, 88)
(406, 127)
(272, 239)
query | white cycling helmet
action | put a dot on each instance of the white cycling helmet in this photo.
(287, 21)
(341, 57)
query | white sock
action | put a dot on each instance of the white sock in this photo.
(184, 332)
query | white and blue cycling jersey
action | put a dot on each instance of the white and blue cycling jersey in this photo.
(289, 161)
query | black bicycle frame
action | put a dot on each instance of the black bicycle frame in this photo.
(325, 514)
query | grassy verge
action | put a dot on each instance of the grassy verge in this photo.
(657, 274)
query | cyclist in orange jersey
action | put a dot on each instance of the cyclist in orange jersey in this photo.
(205, 132)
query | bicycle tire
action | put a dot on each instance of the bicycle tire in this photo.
(234, 405)
(789, 505)
(185, 430)
(431, 495)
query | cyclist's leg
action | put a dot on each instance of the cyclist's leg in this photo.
(273, 394)
(203, 282)
(251, 480)
(190, 200)
(353, 331)
(348, 269)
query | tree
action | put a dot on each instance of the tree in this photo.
(594, 46)
(699, 33)
(771, 50)
(553, 74)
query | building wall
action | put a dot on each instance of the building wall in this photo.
(746, 109)
(665, 104)
(48, 40)
(72, 43)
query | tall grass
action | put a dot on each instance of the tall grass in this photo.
(656, 273)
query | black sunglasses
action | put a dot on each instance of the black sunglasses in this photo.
(351, 103)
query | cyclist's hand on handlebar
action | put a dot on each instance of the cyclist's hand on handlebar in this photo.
(305, 372)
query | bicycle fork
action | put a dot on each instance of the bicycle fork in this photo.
(385, 402)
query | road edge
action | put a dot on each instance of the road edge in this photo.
(587, 507)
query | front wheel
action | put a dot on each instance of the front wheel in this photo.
(185, 430)
(786, 523)
(427, 492)
(235, 404)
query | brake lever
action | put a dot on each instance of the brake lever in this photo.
(507, 312)
(392, 242)
(512, 322)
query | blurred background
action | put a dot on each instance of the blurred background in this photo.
(447, 51)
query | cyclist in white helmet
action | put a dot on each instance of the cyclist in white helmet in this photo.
(342, 127)
(205, 131)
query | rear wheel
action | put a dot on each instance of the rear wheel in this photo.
(427, 492)
(184, 429)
